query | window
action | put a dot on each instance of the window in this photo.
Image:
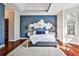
(69, 29)
(71, 25)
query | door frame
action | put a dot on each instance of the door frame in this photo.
(6, 42)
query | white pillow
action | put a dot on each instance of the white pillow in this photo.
(34, 33)
(46, 32)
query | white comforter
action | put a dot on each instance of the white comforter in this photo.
(42, 38)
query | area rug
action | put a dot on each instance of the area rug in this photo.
(35, 51)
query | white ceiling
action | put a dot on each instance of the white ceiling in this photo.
(57, 7)
(33, 6)
(53, 8)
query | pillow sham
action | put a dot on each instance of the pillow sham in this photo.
(40, 32)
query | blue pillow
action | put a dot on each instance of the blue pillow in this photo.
(40, 32)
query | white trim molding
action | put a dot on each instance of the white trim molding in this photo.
(23, 38)
(13, 40)
(18, 39)
(2, 45)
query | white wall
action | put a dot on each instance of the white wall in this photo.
(16, 26)
(60, 25)
(78, 24)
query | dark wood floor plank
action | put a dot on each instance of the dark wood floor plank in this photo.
(9, 47)
(69, 49)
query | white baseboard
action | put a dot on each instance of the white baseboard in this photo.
(2, 45)
(23, 38)
(13, 40)
(18, 39)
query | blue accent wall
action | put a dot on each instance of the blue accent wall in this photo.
(26, 20)
(2, 9)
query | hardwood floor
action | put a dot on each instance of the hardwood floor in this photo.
(9, 47)
(69, 49)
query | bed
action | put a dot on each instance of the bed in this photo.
(41, 34)
(43, 38)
